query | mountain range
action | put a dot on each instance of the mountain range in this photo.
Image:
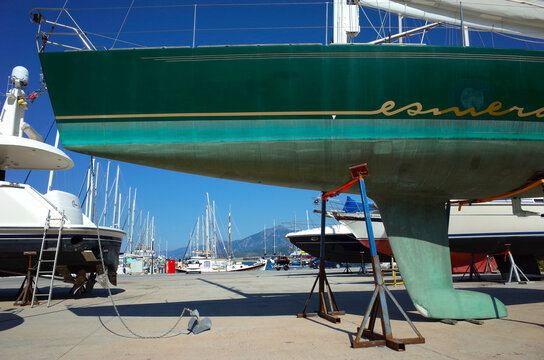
(252, 245)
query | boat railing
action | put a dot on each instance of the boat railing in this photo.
(192, 25)
(43, 36)
(197, 27)
(253, 23)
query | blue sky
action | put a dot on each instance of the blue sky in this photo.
(176, 199)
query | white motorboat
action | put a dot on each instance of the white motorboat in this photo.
(28, 218)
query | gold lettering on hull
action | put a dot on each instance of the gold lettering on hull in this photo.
(415, 109)
(389, 108)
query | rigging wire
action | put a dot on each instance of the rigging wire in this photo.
(369, 21)
(122, 24)
(206, 5)
(60, 12)
(44, 140)
(94, 210)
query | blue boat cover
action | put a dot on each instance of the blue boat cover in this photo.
(351, 206)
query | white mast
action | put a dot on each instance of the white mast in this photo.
(197, 234)
(106, 194)
(115, 197)
(307, 220)
(140, 230)
(274, 236)
(464, 29)
(50, 182)
(400, 27)
(147, 232)
(207, 225)
(95, 186)
(152, 242)
(132, 222)
(229, 251)
(128, 204)
(152, 233)
(88, 192)
(214, 230)
(119, 212)
(203, 233)
(345, 21)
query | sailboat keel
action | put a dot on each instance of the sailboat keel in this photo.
(417, 229)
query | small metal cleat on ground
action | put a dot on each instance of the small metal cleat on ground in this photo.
(449, 321)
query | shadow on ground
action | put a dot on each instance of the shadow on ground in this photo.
(278, 304)
(59, 293)
(9, 320)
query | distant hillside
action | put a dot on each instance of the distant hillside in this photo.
(177, 253)
(253, 245)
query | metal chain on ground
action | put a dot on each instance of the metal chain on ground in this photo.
(107, 284)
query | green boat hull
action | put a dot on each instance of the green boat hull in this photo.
(432, 123)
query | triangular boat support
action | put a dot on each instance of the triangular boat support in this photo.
(514, 270)
(473, 271)
(378, 303)
(322, 277)
(26, 291)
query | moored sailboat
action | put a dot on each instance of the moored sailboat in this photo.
(208, 260)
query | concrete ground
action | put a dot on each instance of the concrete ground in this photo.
(253, 316)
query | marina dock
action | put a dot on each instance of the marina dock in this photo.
(253, 316)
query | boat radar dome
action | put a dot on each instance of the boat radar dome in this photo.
(19, 76)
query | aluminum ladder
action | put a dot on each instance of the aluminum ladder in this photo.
(42, 260)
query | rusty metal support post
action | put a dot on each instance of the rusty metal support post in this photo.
(26, 289)
(322, 278)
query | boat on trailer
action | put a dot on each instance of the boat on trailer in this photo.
(433, 123)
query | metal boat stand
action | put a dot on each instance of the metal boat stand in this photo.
(473, 271)
(26, 289)
(514, 270)
(322, 277)
(378, 303)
